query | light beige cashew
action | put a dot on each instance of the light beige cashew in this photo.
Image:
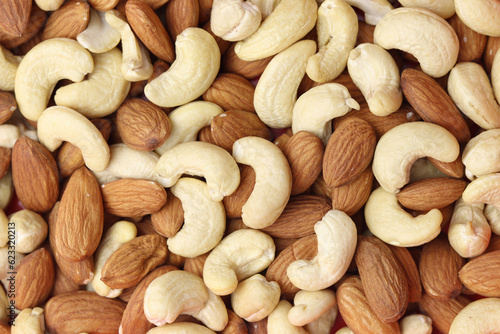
(8, 69)
(469, 232)
(10, 133)
(480, 16)
(337, 29)
(277, 321)
(4, 229)
(317, 107)
(492, 214)
(399, 147)
(6, 190)
(118, 234)
(181, 327)
(234, 20)
(344, 330)
(204, 219)
(255, 298)
(9, 259)
(376, 74)
(374, 9)
(425, 35)
(443, 8)
(42, 67)
(58, 124)
(29, 321)
(470, 89)
(289, 22)
(393, 225)
(273, 180)
(136, 62)
(201, 159)
(49, 5)
(195, 67)
(266, 7)
(239, 255)
(324, 324)
(311, 305)
(337, 238)
(484, 189)
(415, 324)
(187, 120)
(30, 230)
(480, 316)
(102, 93)
(495, 76)
(481, 155)
(4, 304)
(99, 36)
(274, 101)
(213, 314)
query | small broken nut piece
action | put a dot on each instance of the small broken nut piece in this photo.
(234, 20)
(311, 305)
(99, 36)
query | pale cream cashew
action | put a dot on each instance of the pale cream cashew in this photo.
(495, 76)
(29, 321)
(337, 238)
(10, 133)
(480, 316)
(470, 89)
(393, 225)
(102, 93)
(324, 324)
(204, 219)
(273, 180)
(42, 67)
(187, 120)
(4, 229)
(202, 159)
(277, 321)
(481, 155)
(274, 101)
(234, 20)
(344, 330)
(49, 5)
(239, 255)
(136, 62)
(317, 107)
(399, 147)
(376, 74)
(213, 314)
(255, 298)
(425, 35)
(424, 169)
(195, 68)
(289, 22)
(118, 234)
(4, 304)
(99, 36)
(6, 190)
(374, 9)
(9, 259)
(337, 28)
(266, 7)
(415, 324)
(492, 214)
(8, 69)
(181, 327)
(443, 8)
(481, 16)
(469, 232)
(58, 124)
(30, 230)
(311, 305)
(485, 189)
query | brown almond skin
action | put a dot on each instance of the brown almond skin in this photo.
(492, 46)
(249, 69)
(195, 265)
(8, 105)
(181, 14)
(68, 21)
(351, 197)
(231, 92)
(234, 202)
(454, 169)
(168, 221)
(481, 274)
(5, 159)
(235, 325)
(410, 270)
(442, 312)
(14, 17)
(36, 21)
(471, 43)
(63, 284)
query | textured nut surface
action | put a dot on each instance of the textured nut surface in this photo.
(485, 314)
(231, 91)
(68, 20)
(30, 230)
(479, 275)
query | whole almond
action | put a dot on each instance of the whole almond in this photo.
(351, 197)
(234, 202)
(8, 105)
(492, 46)
(36, 21)
(231, 92)
(205, 10)
(249, 69)
(442, 312)
(181, 14)
(235, 324)
(14, 16)
(205, 135)
(195, 265)
(168, 221)
(410, 270)
(35, 175)
(68, 21)
(481, 274)
(5, 159)
(472, 43)
(454, 169)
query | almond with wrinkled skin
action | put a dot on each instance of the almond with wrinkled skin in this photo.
(249, 69)
(234, 202)
(454, 169)
(442, 312)
(205, 135)
(130, 263)
(8, 105)
(471, 43)
(5, 158)
(181, 14)
(351, 197)
(231, 91)
(35, 175)
(205, 10)
(168, 221)
(492, 46)
(63, 284)
(68, 21)
(481, 274)
(36, 21)
(14, 16)
(410, 270)
(195, 265)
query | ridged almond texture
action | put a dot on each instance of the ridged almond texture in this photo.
(8, 105)
(68, 21)
(15, 16)
(481, 274)
(36, 21)
(248, 69)
(410, 269)
(170, 218)
(234, 202)
(442, 312)
(231, 91)
(351, 197)
(181, 14)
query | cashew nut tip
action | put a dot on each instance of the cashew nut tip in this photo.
(374, 9)
(481, 155)
(480, 316)
(311, 305)
(234, 20)
(484, 189)
(415, 324)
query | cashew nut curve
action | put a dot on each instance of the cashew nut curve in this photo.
(99, 36)
(324, 323)
(374, 9)
(42, 67)
(213, 314)
(443, 8)
(481, 155)
(8, 66)
(310, 306)
(495, 76)
(234, 20)
(480, 16)
(492, 214)
(415, 324)
(181, 327)
(266, 7)
(485, 189)
(277, 321)
(480, 316)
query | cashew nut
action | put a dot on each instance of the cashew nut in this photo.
(8, 66)
(180, 327)
(344, 330)
(415, 324)
(289, 22)
(58, 124)
(234, 20)
(6, 190)
(495, 76)
(239, 255)
(213, 314)
(393, 225)
(310, 305)
(374, 9)
(266, 7)
(484, 189)
(273, 180)
(4, 230)
(277, 321)
(376, 74)
(99, 36)
(443, 8)
(324, 323)
(10, 133)
(480, 16)
(42, 67)
(492, 214)
(399, 147)
(480, 316)
(30, 321)
(337, 238)
(193, 71)
(425, 35)
(49, 5)
(30, 228)
(337, 28)
(481, 155)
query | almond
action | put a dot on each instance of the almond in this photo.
(5, 158)
(234, 202)
(35, 23)
(205, 135)
(8, 105)
(494, 243)
(365, 33)
(168, 221)
(63, 284)
(454, 169)
(231, 91)
(471, 43)
(130, 263)
(351, 197)
(442, 312)
(492, 46)
(235, 324)
(249, 69)
(35, 175)
(14, 16)
(68, 21)
(410, 270)
(205, 10)
(195, 265)
(481, 274)
(258, 327)
(181, 14)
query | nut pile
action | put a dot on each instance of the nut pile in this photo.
(260, 166)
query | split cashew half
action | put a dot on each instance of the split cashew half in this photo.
(443, 8)
(479, 317)
(99, 36)
(337, 238)
(195, 67)
(42, 67)
(392, 224)
(399, 147)
(481, 16)
(234, 20)
(8, 69)
(485, 189)
(492, 214)
(58, 124)
(277, 321)
(481, 155)
(273, 180)
(425, 35)
(374, 9)
(376, 74)
(311, 305)
(29, 321)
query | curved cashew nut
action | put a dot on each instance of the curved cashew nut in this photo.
(42, 67)
(376, 74)
(289, 22)
(181, 327)
(239, 255)
(315, 109)
(492, 214)
(186, 121)
(29, 321)
(213, 314)
(203, 159)
(277, 321)
(234, 20)
(344, 330)
(324, 323)
(480, 316)
(336, 234)
(374, 9)
(484, 189)
(6, 190)
(399, 147)
(422, 33)
(481, 155)
(8, 64)
(480, 16)
(310, 305)
(266, 7)
(49, 5)
(99, 36)
(193, 71)
(31, 230)
(273, 180)
(443, 8)
(392, 224)
(415, 324)
(470, 89)
(495, 75)
(274, 103)
(337, 28)
(102, 93)
(204, 219)
(58, 124)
